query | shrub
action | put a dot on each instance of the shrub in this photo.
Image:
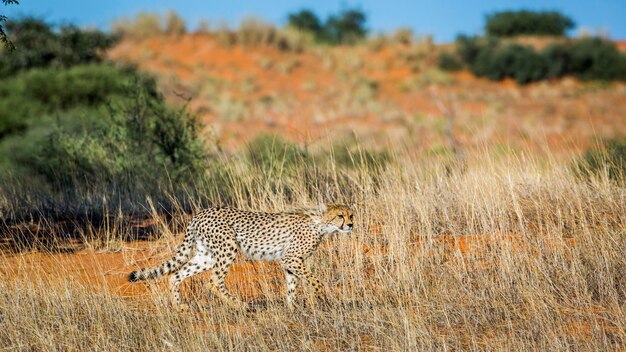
(280, 162)
(38, 44)
(291, 39)
(608, 158)
(346, 28)
(117, 143)
(27, 98)
(525, 65)
(450, 62)
(468, 48)
(512, 60)
(350, 155)
(588, 58)
(512, 23)
(305, 20)
(138, 147)
(273, 155)
(559, 60)
(595, 58)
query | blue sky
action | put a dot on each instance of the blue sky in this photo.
(444, 19)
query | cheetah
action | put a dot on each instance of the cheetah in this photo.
(216, 235)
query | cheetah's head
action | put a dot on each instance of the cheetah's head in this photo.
(338, 218)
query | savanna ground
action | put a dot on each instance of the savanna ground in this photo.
(475, 232)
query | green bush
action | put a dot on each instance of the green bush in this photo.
(609, 157)
(511, 60)
(512, 23)
(305, 20)
(521, 63)
(280, 162)
(138, 148)
(273, 155)
(28, 97)
(117, 145)
(558, 58)
(527, 65)
(595, 58)
(39, 44)
(468, 48)
(347, 27)
(81, 140)
(587, 58)
(350, 155)
(449, 62)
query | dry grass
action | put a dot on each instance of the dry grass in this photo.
(515, 254)
(147, 24)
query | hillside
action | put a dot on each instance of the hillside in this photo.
(385, 93)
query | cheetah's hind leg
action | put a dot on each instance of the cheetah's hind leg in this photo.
(218, 275)
(201, 262)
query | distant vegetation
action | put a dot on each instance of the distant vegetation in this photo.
(587, 58)
(513, 23)
(496, 59)
(118, 139)
(147, 24)
(39, 44)
(347, 27)
(495, 56)
(77, 134)
(251, 31)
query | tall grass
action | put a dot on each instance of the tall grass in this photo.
(515, 254)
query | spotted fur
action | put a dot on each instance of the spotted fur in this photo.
(216, 235)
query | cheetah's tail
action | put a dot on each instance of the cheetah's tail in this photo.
(182, 256)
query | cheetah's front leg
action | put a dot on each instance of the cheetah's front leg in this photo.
(292, 282)
(295, 269)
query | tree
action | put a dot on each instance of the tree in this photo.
(3, 36)
(512, 23)
(347, 28)
(305, 20)
(40, 44)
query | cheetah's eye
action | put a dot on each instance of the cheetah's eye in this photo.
(351, 217)
(340, 216)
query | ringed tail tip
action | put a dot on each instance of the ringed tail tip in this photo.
(134, 276)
